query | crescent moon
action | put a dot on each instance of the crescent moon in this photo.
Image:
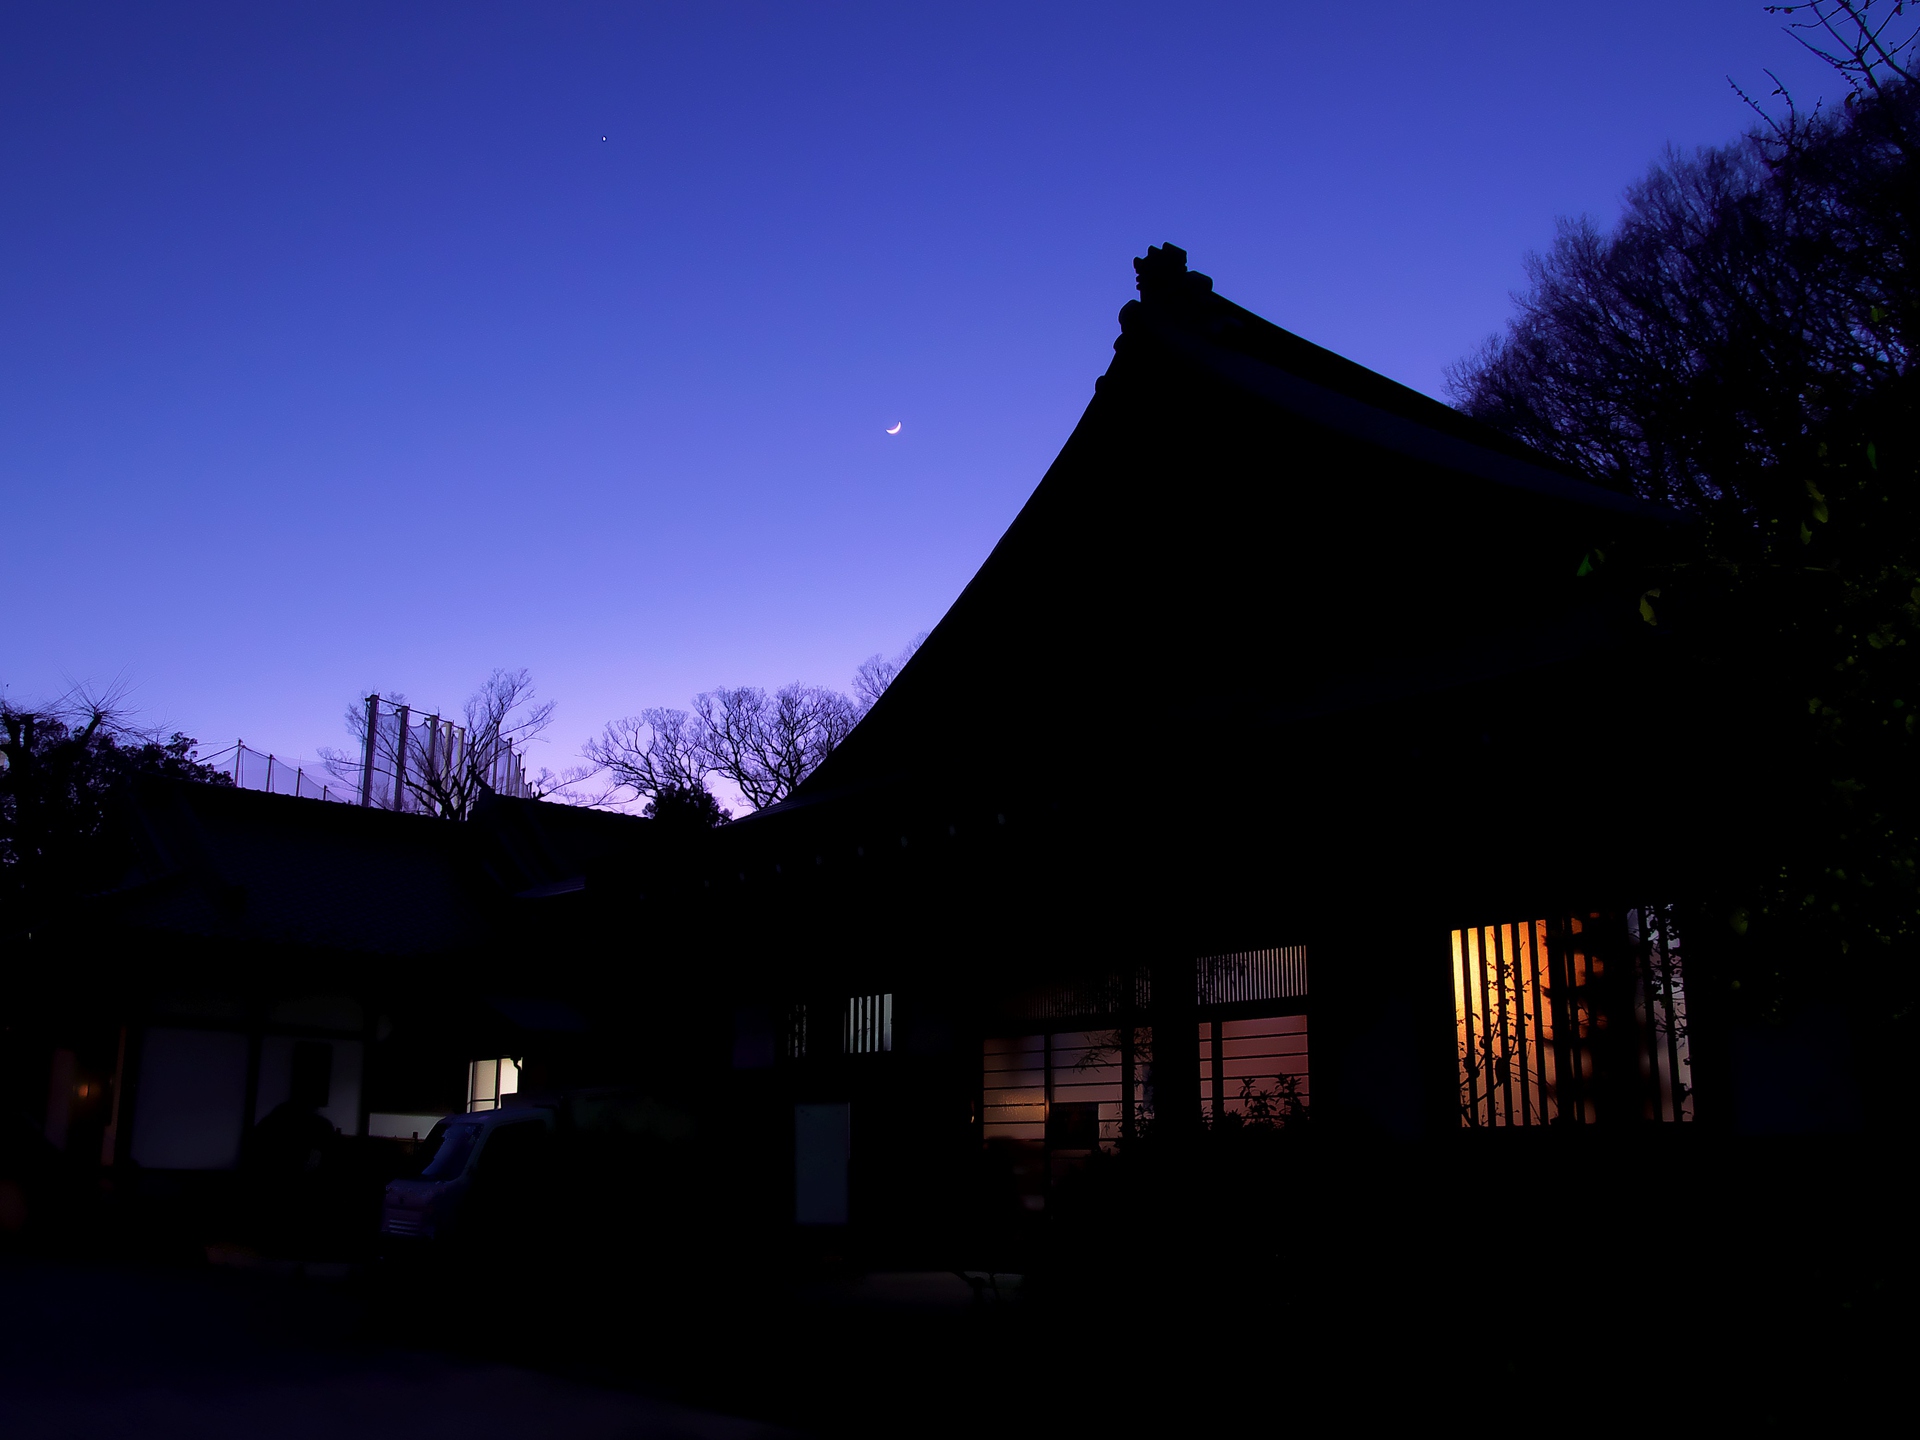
(894, 429)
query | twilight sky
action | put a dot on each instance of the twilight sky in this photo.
(339, 349)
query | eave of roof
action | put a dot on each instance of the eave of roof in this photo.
(1359, 419)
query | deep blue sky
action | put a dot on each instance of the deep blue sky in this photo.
(338, 349)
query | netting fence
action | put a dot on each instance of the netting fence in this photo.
(416, 764)
(425, 764)
(256, 770)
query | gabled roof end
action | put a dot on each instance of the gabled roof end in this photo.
(1162, 274)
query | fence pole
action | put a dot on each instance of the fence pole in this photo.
(400, 763)
(366, 751)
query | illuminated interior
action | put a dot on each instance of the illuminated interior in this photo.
(1527, 1011)
(1014, 1089)
(490, 1082)
(1027, 1079)
(1256, 1069)
(1509, 1068)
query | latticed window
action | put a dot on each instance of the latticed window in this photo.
(868, 1027)
(1555, 1017)
(1660, 1007)
(1279, 974)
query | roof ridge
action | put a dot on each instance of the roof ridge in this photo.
(1179, 306)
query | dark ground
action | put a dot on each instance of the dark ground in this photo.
(1769, 1286)
(89, 1350)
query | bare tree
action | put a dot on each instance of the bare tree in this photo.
(1867, 49)
(646, 756)
(876, 673)
(765, 745)
(447, 769)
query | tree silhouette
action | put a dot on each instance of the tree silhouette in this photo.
(63, 769)
(762, 744)
(1740, 346)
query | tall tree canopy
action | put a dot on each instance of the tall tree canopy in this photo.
(1739, 346)
(63, 770)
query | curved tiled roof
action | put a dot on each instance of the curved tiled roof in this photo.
(1245, 522)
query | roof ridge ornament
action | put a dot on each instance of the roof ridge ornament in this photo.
(1163, 275)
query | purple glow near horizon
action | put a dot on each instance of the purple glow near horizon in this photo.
(341, 351)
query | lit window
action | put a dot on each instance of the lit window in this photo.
(1660, 1003)
(1519, 1036)
(1067, 1088)
(1014, 1103)
(490, 1082)
(868, 1029)
(1531, 1000)
(1255, 1068)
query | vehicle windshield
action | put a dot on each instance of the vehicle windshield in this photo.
(448, 1149)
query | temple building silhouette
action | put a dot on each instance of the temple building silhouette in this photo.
(1305, 752)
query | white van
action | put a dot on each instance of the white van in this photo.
(475, 1167)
